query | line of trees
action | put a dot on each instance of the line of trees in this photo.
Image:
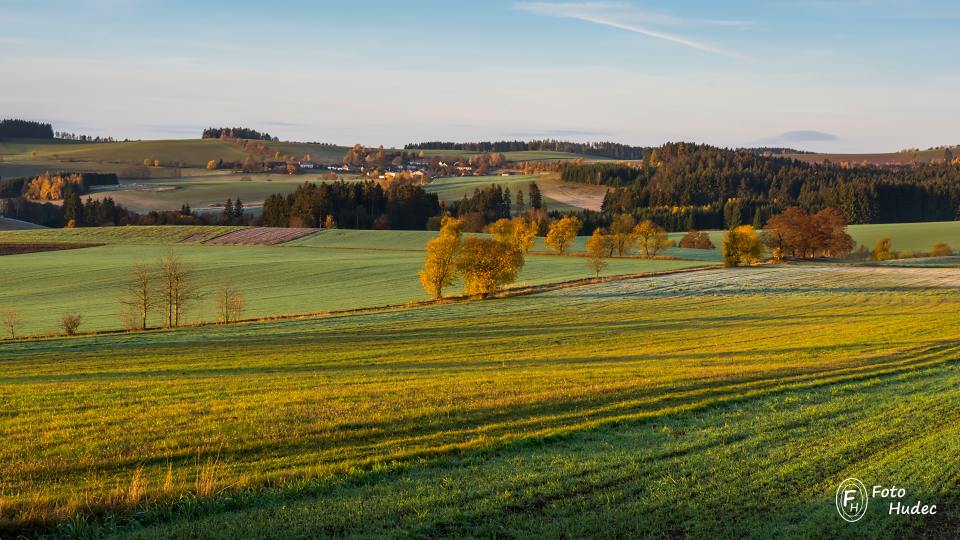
(67, 136)
(168, 288)
(802, 235)
(352, 205)
(236, 133)
(604, 149)
(621, 238)
(494, 202)
(25, 129)
(484, 264)
(794, 233)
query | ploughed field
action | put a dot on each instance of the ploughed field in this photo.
(717, 403)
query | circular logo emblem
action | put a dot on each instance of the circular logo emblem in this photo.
(852, 499)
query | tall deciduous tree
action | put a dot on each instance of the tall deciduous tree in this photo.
(796, 233)
(138, 297)
(741, 245)
(562, 233)
(229, 303)
(440, 268)
(597, 250)
(12, 321)
(517, 231)
(177, 289)
(487, 264)
(650, 238)
(621, 231)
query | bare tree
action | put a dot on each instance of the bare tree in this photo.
(139, 296)
(230, 303)
(12, 321)
(71, 323)
(176, 288)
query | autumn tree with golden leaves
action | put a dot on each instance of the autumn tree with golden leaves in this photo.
(562, 233)
(439, 268)
(487, 264)
(741, 245)
(517, 231)
(597, 248)
(651, 238)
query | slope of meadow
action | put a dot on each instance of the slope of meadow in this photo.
(328, 270)
(190, 152)
(887, 158)
(725, 403)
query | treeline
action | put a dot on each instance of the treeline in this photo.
(352, 205)
(25, 129)
(93, 212)
(494, 202)
(719, 187)
(605, 149)
(72, 213)
(236, 133)
(68, 136)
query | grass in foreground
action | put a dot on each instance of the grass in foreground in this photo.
(724, 403)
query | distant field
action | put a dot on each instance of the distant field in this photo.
(558, 195)
(204, 191)
(165, 234)
(316, 273)
(191, 152)
(718, 404)
(890, 158)
(7, 224)
(317, 152)
(908, 236)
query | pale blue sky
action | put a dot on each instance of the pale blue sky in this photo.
(830, 74)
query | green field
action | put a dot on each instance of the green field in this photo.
(333, 270)
(887, 158)
(203, 191)
(724, 403)
(908, 236)
(190, 152)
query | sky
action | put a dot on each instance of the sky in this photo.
(821, 75)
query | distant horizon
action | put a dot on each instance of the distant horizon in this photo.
(558, 138)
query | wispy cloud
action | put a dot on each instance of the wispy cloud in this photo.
(626, 17)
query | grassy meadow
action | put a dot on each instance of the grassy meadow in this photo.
(203, 191)
(330, 270)
(719, 403)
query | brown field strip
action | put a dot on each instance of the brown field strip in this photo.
(262, 236)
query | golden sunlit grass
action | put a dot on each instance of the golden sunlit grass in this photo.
(678, 403)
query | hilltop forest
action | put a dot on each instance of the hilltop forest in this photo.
(690, 186)
(602, 149)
